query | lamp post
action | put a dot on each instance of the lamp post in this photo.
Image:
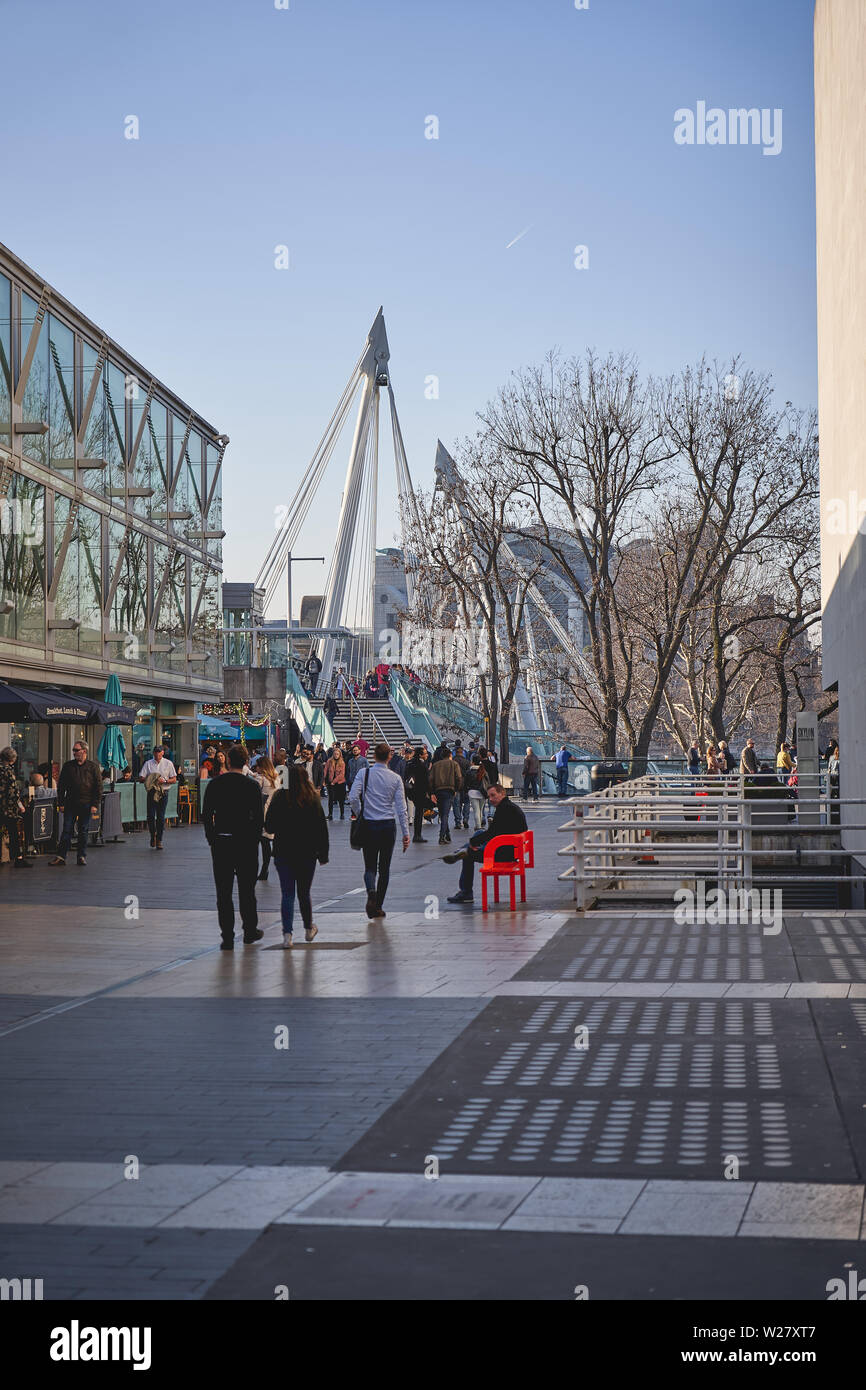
(291, 560)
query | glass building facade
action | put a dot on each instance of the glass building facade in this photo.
(110, 512)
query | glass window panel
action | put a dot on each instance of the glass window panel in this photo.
(94, 435)
(35, 403)
(113, 385)
(79, 591)
(206, 634)
(5, 362)
(129, 605)
(157, 457)
(170, 623)
(22, 557)
(61, 393)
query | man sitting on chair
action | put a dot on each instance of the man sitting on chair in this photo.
(507, 819)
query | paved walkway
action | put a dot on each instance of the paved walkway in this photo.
(187, 1123)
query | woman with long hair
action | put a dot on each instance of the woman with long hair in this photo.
(296, 821)
(416, 780)
(220, 763)
(266, 776)
(335, 780)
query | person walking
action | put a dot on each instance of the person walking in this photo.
(461, 801)
(335, 781)
(728, 760)
(562, 759)
(11, 807)
(833, 781)
(507, 819)
(417, 783)
(384, 811)
(713, 768)
(296, 820)
(694, 758)
(749, 760)
(531, 772)
(312, 670)
(477, 787)
(330, 708)
(78, 792)
(317, 768)
(266, 776)
(445, 784)
(397, 763)
(354, 764)
(232, 818)
(157, 774)
(281, 768)
(784, 763)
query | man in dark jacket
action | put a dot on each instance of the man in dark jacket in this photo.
(416, 780)
(461, 801)
(232, 816)
(79, 789)
(531, 771)
(507, 819)
(312, 670)
(445, 783)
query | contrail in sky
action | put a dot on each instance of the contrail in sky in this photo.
(519, 235)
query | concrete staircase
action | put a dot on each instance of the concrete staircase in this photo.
(379, 719)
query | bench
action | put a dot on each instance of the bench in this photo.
(524, 858)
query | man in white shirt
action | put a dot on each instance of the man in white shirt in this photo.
(384, 808)
(158, 773)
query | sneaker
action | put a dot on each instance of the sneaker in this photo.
(81, 859)
(253, 937)
(466, 825)
(371, 904)
(227, 945)
(312, 933)
(380, 912)
(153, 842)
(159, 844)
(287, 940)
(57, 863)
(418, 840)
(454, 858)
(462, 898)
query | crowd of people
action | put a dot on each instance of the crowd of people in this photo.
(278, 809)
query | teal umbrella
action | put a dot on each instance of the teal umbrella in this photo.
(111, 752)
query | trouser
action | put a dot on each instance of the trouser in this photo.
(267, 850)
(418, 818)
(476, 854)
(443, 801)
(314, 681)
(295, 878)
(156, 816)
(562, 780)
(461, 808)
(10, 824)
(71, 814)
(235, 859)
(477, 805)
(337, 793)
(379, 838)
(530, 785)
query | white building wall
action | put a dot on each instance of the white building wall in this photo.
(840, 159)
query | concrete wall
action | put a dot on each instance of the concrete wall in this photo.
(840, 159)
(255, 683)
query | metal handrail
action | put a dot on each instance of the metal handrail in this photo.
(373, 720)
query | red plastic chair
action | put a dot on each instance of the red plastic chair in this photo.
(524, 858)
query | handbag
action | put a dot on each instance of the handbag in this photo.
(356, 829)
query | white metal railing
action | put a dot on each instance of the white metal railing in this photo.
(708, 824)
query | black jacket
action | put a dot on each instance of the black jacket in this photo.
(233, 806)
(416, 779)
(300, 832)
(508, 819)
(79, 785)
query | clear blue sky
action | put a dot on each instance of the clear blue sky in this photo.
(305, 127)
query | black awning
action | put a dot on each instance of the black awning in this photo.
(49, 705)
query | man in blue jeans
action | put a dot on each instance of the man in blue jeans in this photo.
(563, 758)
(384, 808)
(79, 789)
(507, 819)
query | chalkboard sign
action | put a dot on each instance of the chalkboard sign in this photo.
(43, 820)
